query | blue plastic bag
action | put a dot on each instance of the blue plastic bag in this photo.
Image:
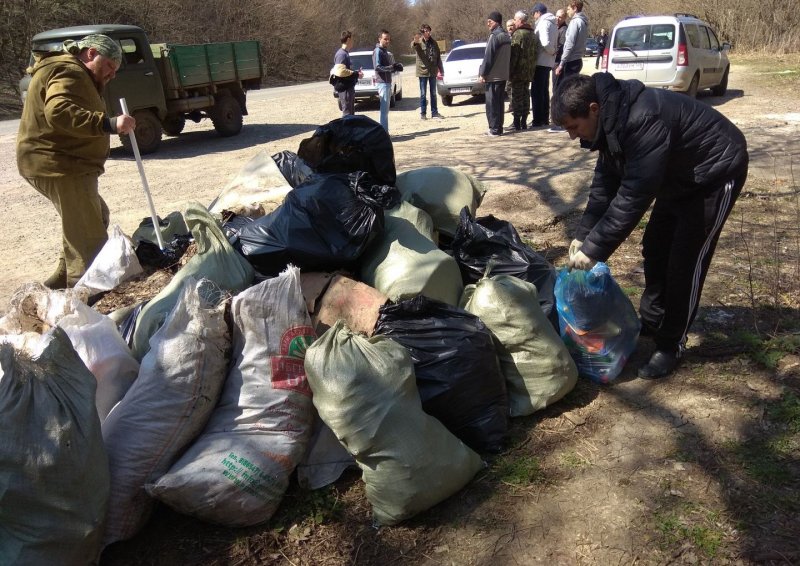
(597, 321)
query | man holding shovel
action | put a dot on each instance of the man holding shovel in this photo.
(63, 143)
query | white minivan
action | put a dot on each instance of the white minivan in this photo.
(680, 52)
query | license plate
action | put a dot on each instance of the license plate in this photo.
(460, 90)
(365, 82)
(629, 66)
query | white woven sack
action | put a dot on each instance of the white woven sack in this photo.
(237, 471)
(115, 263)
(179, 383)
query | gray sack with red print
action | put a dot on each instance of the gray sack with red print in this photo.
(236, 472)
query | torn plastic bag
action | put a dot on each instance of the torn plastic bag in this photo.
(323, 225)
(236, 472)
(215, 260)
(168, 405)
(598, 322)
(54, 480)
(364, 390)
(295, 170)
(535, 362)
(116, 262)
(175, 235)
(349, 144)
(402, 262)
(456, 366)
(259, 182)
(441, 192)
(487, 239)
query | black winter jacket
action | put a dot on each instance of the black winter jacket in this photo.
(653, 144)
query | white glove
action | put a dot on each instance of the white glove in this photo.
(574, 247)
(581, 261)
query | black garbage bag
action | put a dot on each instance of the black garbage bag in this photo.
(232, 225)
(150, 255)
(349, 144)
(294, 169)
(485, 239)
(322, 225)
(455, 362)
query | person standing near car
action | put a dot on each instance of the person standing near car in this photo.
(602, 39)
(510, 28)
(575, 41)
(662, 148)
(494, 71)
(523, 61)
(63, 144)
(561, 22)
(344, 76)
(429, 64)
(546, 31)
(383, 62)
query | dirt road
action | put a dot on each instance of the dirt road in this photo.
(636, 473)
(534, 178)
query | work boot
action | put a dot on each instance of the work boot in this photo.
(524, 122)
(661, 364)
(517, 127)
(58, 280)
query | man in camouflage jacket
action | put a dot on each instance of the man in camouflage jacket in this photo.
(523, 62)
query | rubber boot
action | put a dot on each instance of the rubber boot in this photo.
(517, 127)
(58, 280)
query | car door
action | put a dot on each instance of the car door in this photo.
(137, 79)
(707, 64)
(628, 52)
(715, 64)
(661, 52)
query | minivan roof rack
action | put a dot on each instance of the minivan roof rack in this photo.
(679, 14)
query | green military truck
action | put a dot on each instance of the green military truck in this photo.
(165, 84)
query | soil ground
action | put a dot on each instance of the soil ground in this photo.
(701, 468)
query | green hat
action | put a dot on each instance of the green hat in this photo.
(104, 45)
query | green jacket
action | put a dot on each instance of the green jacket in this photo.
(64, 129)
(523, 54)
(429, 58)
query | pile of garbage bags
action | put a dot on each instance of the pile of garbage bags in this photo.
(335, 314)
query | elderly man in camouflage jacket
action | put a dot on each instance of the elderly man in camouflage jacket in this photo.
(523, 62)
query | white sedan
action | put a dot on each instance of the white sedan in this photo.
(461, 72)
(366, 87)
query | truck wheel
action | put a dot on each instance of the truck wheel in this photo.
(148, 133)
(173, 125)
(447, 100)
(226, 116)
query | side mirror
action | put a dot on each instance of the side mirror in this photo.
(726, 46)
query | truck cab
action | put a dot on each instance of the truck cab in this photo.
(164, 84)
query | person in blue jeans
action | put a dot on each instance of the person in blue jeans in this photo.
(383, 62)
(429, 63)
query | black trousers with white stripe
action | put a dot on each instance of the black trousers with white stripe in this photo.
(677, 247)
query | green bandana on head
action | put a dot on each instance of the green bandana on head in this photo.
(104, 45)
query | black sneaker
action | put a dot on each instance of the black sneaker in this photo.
(661, 364)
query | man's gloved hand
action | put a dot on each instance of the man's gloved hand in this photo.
(580, 261)
(398, 67)
(574, 247)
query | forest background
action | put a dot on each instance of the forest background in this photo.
(298, 39)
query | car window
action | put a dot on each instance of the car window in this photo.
(361, 61)
(131, 52)
(712, 38)
(693, 34)
(662, 36)
(704, 43)
(466, 53)
(632, 37)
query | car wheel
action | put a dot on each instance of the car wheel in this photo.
(447, 100)
(692, 91)
(393, 97)
(722, 87)
(147, 132)
(399, 95)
